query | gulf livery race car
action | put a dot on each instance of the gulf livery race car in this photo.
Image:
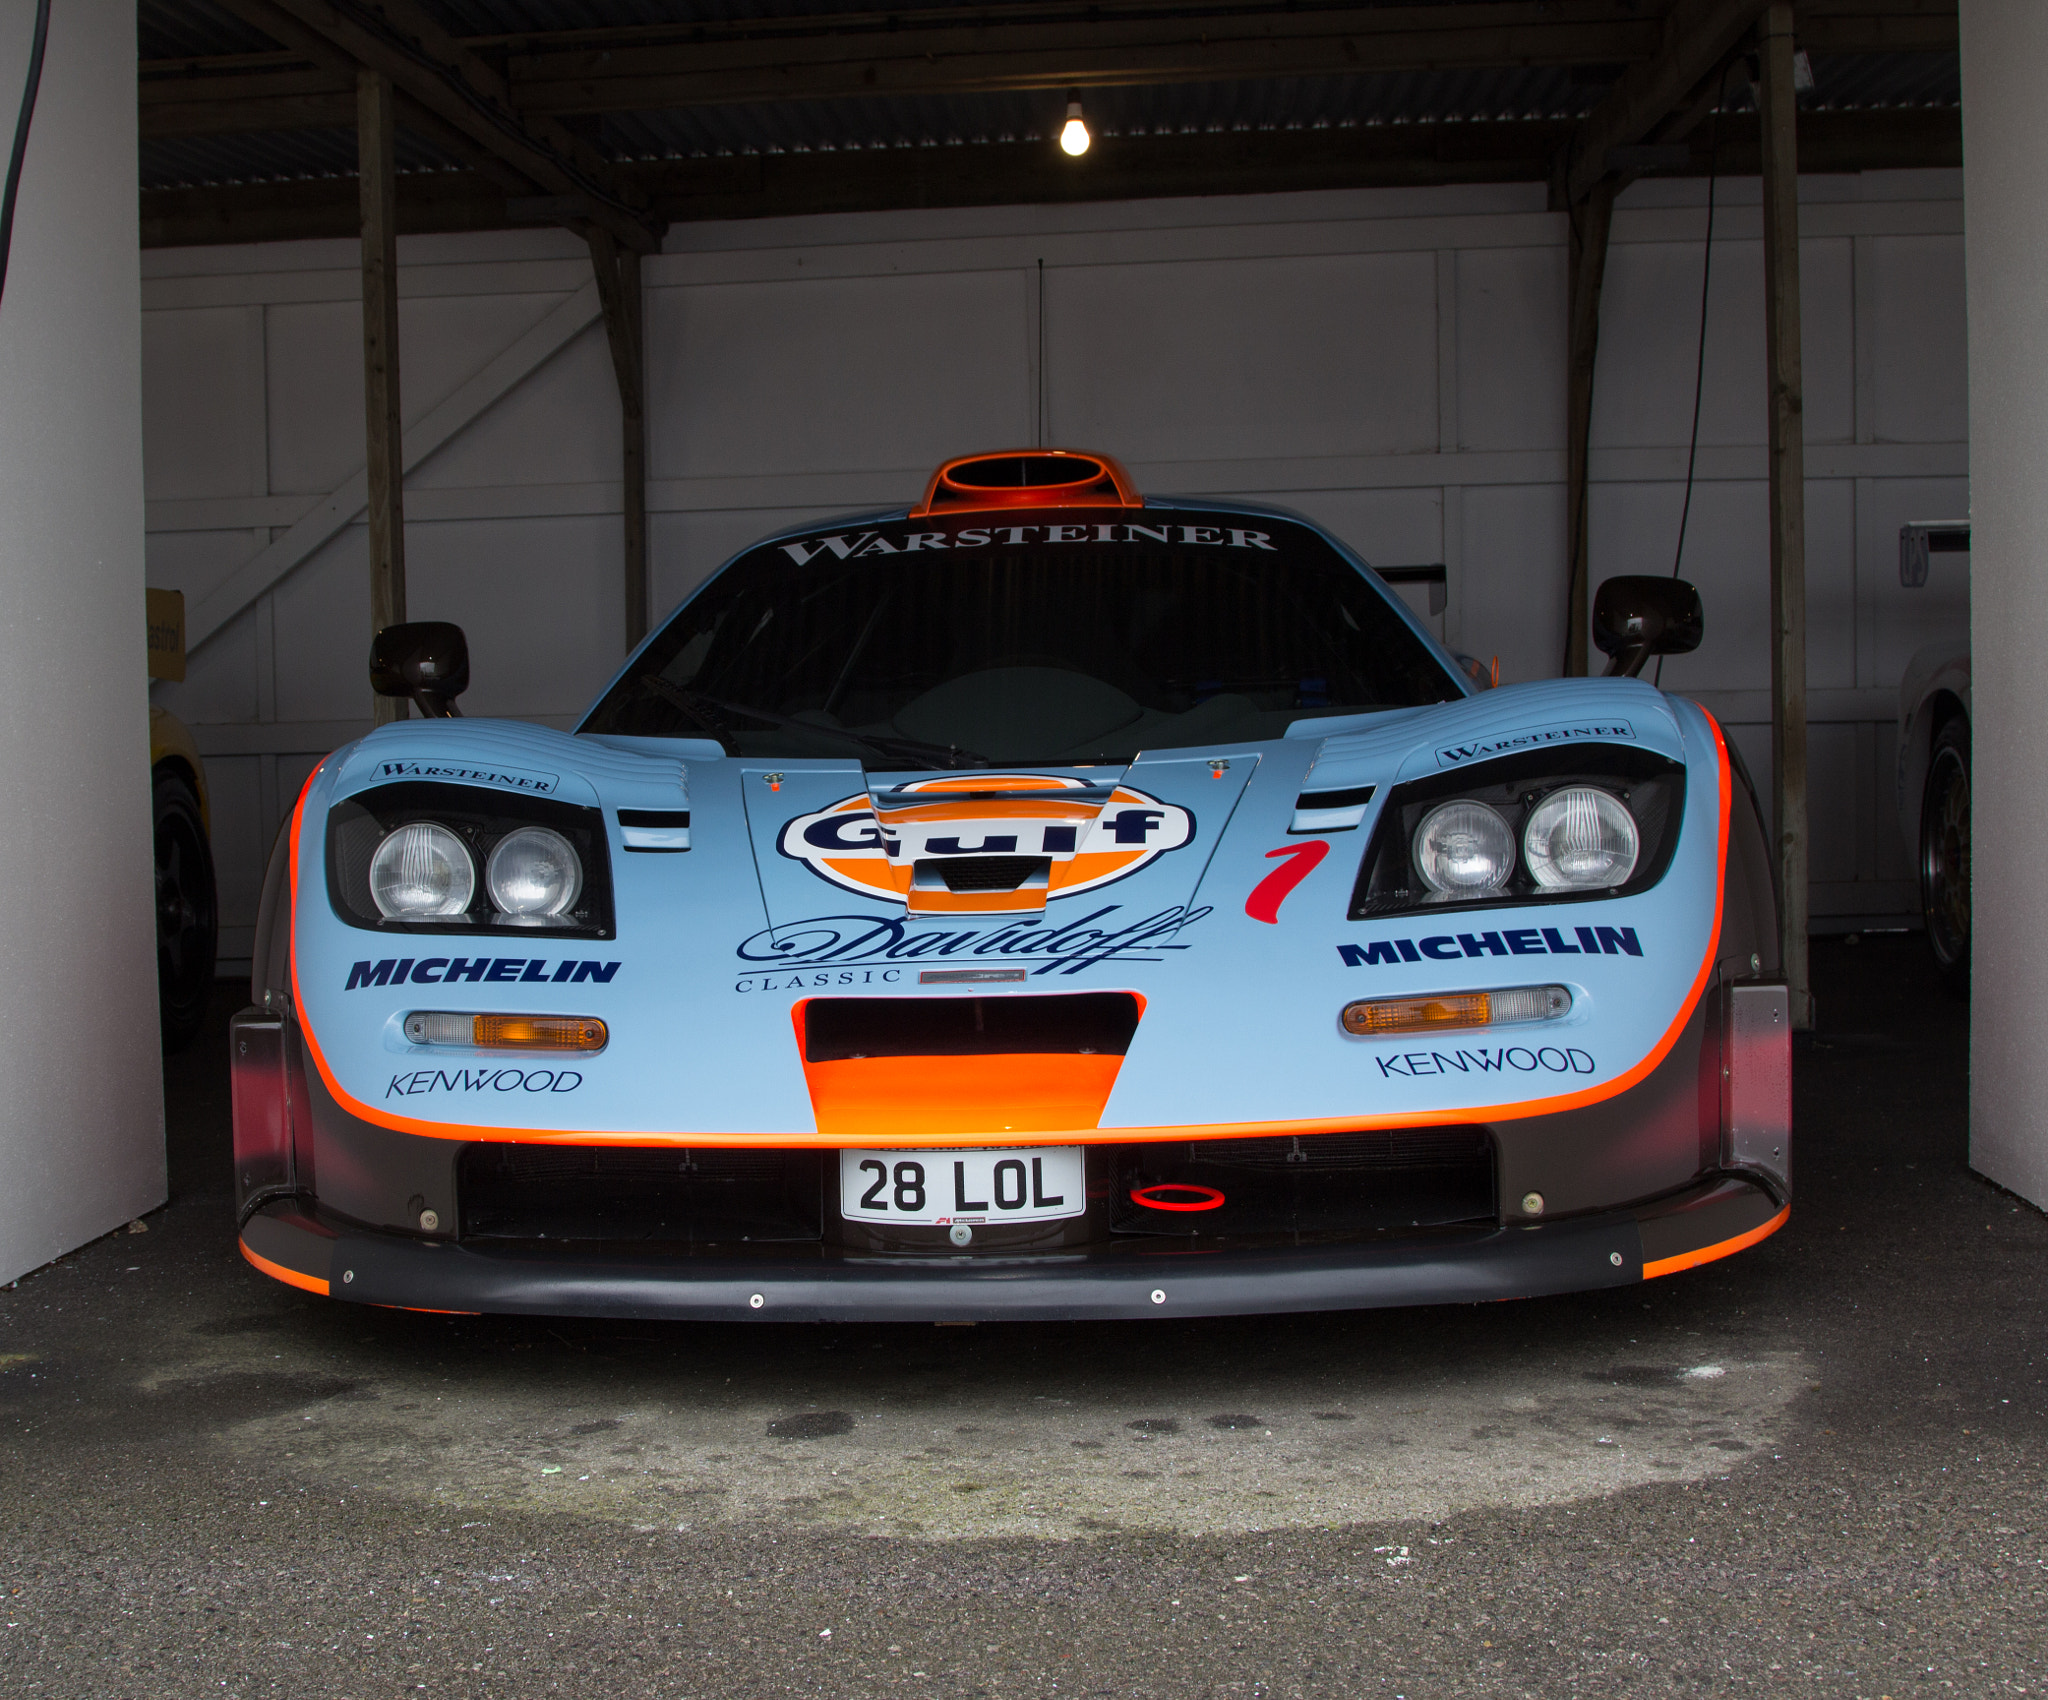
(1043, 902)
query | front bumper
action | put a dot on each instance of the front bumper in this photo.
(814, 1284)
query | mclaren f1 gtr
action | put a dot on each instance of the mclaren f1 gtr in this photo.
(1043, 902)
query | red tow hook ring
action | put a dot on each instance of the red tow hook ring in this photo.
(1203, 1197)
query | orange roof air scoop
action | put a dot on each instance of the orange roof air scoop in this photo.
(1028, 478)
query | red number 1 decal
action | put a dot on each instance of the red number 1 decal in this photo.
(1267, 896)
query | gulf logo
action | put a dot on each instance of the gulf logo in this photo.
(1086, 835)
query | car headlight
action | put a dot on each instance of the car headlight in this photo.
(1580, 839)
(426, 856)
(1572, 822)
(533, 875)
(421, 870)
(1464, 849)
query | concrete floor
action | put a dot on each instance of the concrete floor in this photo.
(1815, 1468)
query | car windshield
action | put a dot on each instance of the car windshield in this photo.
(966, 641)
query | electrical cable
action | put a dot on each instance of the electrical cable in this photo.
(21, 124)
(1699, 370)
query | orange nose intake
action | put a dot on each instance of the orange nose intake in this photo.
(962, 1070)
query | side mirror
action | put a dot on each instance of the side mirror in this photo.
(426, 660)
(1638, 616)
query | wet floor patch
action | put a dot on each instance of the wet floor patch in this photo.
(868, 1434)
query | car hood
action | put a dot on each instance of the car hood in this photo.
(1205, 883)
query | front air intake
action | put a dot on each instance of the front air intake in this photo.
(941, 1070)
(1074, 1024)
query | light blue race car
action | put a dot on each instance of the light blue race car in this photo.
(1044, 902)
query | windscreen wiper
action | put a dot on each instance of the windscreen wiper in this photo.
(948, 755)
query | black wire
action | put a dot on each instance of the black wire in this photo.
(1699, 370)
(21, 124)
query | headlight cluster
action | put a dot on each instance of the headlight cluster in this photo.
(1578, 838)
(462, 857)
(422, 871)
(1590, 820)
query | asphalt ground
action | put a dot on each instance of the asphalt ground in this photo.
(1813, 1468)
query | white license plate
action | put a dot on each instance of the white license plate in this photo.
(1037, 1183)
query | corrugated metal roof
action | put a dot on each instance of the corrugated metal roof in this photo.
(1280, 103)
(194, 162)
(181, 29)
(1854, 82)
(177, 28)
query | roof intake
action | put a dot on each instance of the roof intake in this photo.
(1028, 478)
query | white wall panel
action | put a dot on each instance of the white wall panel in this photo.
(224, 682)
(202, 402)
(1226, 360)
(561, 426)
(1833, 819)
(1511, 348)
(1512, 587)
(541, 600)
(1920, 365)
(196, 561)
(838, 374)
(241, 842)
(322, 633)
(315, 356)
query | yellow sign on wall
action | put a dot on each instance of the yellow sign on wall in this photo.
(167, 634)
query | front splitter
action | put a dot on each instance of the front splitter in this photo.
(1123, 1281)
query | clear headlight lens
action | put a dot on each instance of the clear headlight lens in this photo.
(1580, 839)
(533, 875)
(1464, 849)
(421, 870)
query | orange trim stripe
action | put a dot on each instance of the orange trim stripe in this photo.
(1515, 1111)
(1714, 1253)
(278, 1272)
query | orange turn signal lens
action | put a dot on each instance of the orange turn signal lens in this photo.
(541, 1032)
(1513, 1007)
(506, 1032)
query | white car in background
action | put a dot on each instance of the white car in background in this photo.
(1934, 763)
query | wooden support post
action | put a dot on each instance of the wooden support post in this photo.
(618, 289)
(376, 162)
(1779, 111)
(1591, 220)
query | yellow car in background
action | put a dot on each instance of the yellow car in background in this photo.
(187, 912)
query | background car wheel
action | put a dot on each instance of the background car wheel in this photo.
(1945, 854)
(186, 914)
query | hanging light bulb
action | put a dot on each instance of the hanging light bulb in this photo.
(1074, 135)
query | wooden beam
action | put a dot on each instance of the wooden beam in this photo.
(962, 50)
(384, 439)
(906, 57)
(400, 41)
(1698, 36)
(1877, 26)
(1586, 259)
(1779, 111)
(1005, 174)
(618, 288)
